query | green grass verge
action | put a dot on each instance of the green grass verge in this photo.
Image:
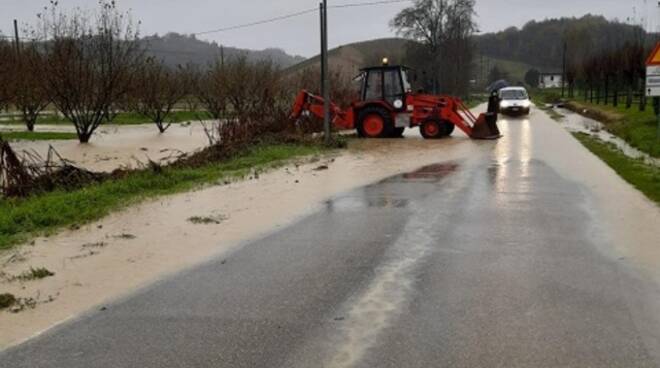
(642, 176)
(37, 136)
(126, 118)
(22, 219)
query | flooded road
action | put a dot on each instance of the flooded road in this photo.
(523, 252)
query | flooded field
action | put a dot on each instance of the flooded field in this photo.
(118, 146)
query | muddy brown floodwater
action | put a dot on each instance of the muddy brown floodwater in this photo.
(149, 241)
(115, 146)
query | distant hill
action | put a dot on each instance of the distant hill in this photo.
(350, 58)
(176, 49)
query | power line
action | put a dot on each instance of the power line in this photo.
(299, 13)
(371, 3)
(270, 20)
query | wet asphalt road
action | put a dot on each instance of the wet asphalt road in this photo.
(482, 262)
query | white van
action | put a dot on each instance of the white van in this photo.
(514, 101)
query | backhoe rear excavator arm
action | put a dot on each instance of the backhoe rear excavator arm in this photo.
(307, 102)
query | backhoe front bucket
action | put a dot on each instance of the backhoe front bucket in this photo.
(486, 127)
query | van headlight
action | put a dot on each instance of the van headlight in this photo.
(504, 104)
(526, 104)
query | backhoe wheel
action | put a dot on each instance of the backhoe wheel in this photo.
(449, 128)
(398, 132)
(375, 122)
(436, 129)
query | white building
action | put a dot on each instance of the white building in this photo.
(550, 80)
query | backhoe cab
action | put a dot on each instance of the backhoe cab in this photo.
(387, 106)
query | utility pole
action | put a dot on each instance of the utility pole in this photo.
(325, 85)
(563, 71)
(17, 40)
(222, 56)
(482, 76)
(321, 20)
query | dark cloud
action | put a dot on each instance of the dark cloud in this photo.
(299, 35)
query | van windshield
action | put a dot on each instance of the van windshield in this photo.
(513, 94)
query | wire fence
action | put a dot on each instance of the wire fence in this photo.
(614, 96)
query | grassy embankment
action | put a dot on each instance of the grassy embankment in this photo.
(22, 219)
(644, 177)
(638, 128)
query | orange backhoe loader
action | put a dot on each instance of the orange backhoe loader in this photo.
(387, 106)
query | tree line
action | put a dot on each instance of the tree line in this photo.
(541, 44)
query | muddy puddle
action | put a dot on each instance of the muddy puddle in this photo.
(577, 123)
(379, 196)
(432, 173)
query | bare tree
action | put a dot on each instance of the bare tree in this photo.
(212, 91)
(30, 93)
(252, 99)
(241, 82)
(444, 28)
(91, 60)
(7, 56)
(156, 91)
(191, 78)
(424, 21)
(458, 46)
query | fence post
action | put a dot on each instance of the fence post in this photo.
(642, 97)
(656, 109)
(642, 103)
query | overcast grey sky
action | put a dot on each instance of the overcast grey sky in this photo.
(300, 35)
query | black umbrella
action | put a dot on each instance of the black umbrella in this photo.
(498, 85)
